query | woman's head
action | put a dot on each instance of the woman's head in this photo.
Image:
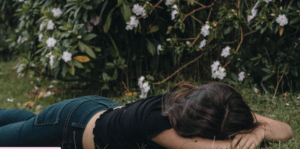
(212, 111)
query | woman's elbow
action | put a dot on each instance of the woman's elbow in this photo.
(289, 133)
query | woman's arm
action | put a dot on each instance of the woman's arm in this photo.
(171, 140)
(271, 130)
(275, 130)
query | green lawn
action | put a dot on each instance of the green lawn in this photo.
(21, 90)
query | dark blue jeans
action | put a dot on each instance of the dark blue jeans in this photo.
(61, 124)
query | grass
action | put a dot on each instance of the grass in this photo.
(22, 90)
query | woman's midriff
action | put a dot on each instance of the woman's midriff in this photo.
(88, 136)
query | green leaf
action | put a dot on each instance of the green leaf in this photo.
(115, 76)
(71, 70)
(89, 37)
(109, 65)
(102, 9)
(267, 77)
(77, 63)
(97, 49)
(85, 15)
(126, 12)
(295, 20)
(227, 30)
(109, 19)
(267, 70)
(150, 47)
(87, 49)
(154, 29)
(105, 77)
(90, 52)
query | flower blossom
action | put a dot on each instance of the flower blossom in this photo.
(21, 0)
(241, 76)
(132, 23)
(188, 43)
(138, 10)
(41, 37)
(20, 68)
(89, 27)
(159, 49)
(282, 20)
(67, 56)
(205, 30)
(19, 39)
(225, 51)
(10, 100)
(51, 42)
(169, 2)
(217, 72)
(47, 94)
(145, 87)
(95, 20)
(202, 44)
(50, 25)
(42, 25)
(253, 12)
(56, 12)
(255, 89)
(174, 11)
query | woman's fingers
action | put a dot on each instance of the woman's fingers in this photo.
(249, 145)
(236, 140)
(242, 142)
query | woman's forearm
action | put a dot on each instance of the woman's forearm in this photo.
(274, 130)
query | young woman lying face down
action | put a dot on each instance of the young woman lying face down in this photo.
(188, 117)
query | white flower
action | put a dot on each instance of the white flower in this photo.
(298, 97)
(19, 39)
(140, 81)
(174, 12)
(89, 27)
(169, 2)
(67, 56)
(50, 25)
(18, 104)
(128, 101)
(138, 9)
(21, 0)
(282, 20)
(51, 42)
(38, 79)
(267, 1)
(48, 55)
(36, 88)
(20, 68)
(205, 30)
(215, 66)
(50, 86)
(187, 42)
(220, 73)
(95, 20)
(174, 7)
(42, 25)
(253, 12)
(47, 94)
(255, 89)
(38, 107)
(10, 100)
(56, 12)
(41, 37)
(287, 104)
(132, 23)
(202, 44)
(51, 60)
(241, 76)
(225, 51)
(159, 49)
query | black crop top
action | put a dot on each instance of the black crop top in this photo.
(131, 126)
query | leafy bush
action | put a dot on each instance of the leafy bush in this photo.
(113, 41)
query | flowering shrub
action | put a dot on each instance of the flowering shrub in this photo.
(113, 41)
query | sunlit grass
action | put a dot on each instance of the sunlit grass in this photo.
(21, 90)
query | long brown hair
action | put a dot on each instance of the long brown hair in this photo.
(211, 111)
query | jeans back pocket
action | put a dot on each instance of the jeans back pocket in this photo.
(50, 115)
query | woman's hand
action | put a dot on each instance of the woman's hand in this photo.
(249, 140)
